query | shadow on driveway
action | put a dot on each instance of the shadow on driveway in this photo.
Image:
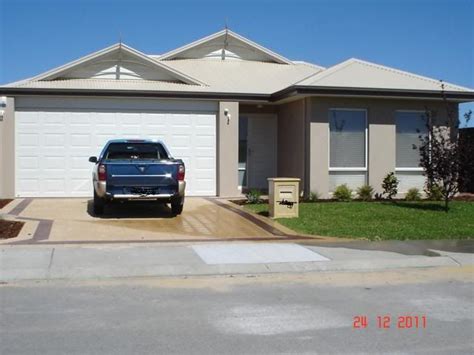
(134, 209)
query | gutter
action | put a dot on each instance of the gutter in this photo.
(291, 91)
(11, 91)
(384, 93)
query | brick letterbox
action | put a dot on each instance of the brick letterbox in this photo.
(283, 197)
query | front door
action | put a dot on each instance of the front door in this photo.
(261, 150)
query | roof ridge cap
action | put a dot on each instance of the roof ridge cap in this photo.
(309, 64)
(328, 71)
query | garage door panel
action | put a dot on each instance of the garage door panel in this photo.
(206, 141)
(103, 118)
(54, 140)
(54, 162)
(54, 186)
(80, 140)
(30, 187)
(80, 187)
(79, 118)
(28, 140)
(28, 162)
(78, 129)
(29, 118)
(53, 147)
(52, 118)
(155, 120)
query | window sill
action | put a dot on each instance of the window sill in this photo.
(348, 169)
(408, 169)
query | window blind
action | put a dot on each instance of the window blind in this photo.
(410, 125)
(347, 138)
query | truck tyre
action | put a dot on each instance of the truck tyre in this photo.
(177, 206)
(99, 205)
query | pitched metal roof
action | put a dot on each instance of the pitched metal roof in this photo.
(356, 73)
(119, 47)
(111, 84)
(223, 40)
(244, 76)
(220, 76)
(274, 77)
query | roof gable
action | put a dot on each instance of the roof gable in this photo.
(117, 62)
(225, 45)
(356, 73)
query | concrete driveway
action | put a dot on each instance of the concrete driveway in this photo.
(71, 220)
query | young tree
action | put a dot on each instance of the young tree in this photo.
(440, 154)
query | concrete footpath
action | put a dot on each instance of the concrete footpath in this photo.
(19, 263)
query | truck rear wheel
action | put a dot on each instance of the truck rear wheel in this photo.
(99, 205)
(177, 206)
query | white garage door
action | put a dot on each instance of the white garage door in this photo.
(52, 147)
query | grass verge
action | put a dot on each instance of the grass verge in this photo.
(381, 220)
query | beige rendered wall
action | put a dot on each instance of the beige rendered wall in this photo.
(318, 142)
(381, 135)
(291, 142)
(7, 151)
(227, 150)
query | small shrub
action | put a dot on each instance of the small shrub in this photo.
(365, 192)
(378, 196)
(342, 193)
(434, 192)
(254, 196)
(313, 196)
(413, 195)
(390, 185)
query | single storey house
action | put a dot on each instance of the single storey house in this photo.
(233, 110)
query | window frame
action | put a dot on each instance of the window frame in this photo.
(401, 168)
(366, 141)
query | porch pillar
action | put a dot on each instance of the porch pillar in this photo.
(318, 144)
(382, 144)
(228, 149)
(7, 150)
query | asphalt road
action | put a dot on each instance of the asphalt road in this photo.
(305, 313)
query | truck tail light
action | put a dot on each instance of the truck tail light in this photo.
(181, 171)
(102, 173)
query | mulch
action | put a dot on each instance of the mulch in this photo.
(464, 197)
(10, 229)
(3, 203)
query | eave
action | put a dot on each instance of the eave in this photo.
(301, 90)
(292, 92)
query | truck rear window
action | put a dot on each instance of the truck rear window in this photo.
(147, 151)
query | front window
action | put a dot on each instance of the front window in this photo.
(410, 126)
(347, 147)
(142, 151)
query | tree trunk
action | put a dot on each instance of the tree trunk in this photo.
(446, 207)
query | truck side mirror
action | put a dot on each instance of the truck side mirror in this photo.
(93, 159)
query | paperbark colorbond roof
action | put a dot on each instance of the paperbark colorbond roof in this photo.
(227, 63)
(224, 44)
(356, 73)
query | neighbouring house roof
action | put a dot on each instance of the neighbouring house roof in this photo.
(226, 64)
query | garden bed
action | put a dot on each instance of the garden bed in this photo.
(381, 220)
(4, 202)
(10, 229)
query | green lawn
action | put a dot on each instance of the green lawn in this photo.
(382, 220)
